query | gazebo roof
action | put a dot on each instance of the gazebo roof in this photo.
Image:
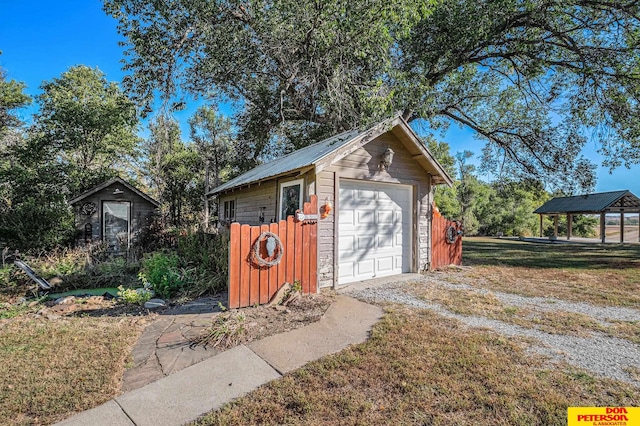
(601, 202)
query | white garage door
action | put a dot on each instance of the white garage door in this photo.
(374, 230)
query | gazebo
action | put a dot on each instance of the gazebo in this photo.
(619, 202)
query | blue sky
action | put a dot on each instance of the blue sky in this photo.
(40, 39)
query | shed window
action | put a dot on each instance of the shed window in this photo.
(116, 221)
(229, 211)
(290, 198)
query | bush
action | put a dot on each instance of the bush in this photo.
(37, 225)
(134, 296)
(160, 271)
(206, 254)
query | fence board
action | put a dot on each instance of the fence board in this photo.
(297, 258)
(443, 252)
(282, 267)
(250, 283)
(290, 253)
(263, 282)
(254, 280)
(273, 271)
(243, 244)
(234, 268)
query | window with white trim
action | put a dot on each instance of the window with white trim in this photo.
(290, 198)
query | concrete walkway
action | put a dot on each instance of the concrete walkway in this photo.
(186, 394)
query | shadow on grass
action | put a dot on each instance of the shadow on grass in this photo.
(502, 252)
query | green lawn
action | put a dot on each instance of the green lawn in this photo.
(606, 275)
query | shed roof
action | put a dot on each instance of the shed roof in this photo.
(601, 202)
(104, 185)
(313, 155)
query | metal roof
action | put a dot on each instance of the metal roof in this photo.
(299, 159)
(311, 155)
(600, 202)
(111, 182)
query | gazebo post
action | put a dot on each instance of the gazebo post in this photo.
(603, 235)
(541, 226)
(622, 227)
(569, 225)
(555, 226)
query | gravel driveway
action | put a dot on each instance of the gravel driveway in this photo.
(600, 354)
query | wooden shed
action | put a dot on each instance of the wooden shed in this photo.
(378, 183)
(112, 212)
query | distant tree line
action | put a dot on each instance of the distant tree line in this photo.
(502, 206)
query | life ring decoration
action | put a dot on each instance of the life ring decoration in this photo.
(273, 246)
(452, 233)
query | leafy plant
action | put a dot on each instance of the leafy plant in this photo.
(206, 255)
(134, 296)
(160, 271)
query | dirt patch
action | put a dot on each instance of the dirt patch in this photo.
(229, 329)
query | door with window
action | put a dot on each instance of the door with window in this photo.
(116, 224)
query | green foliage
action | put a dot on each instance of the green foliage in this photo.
(35, 224)
(83, 134)
(12, 97)
(134, 296)
(160, 272)
(207, 255)
(11, 311)
(86, 124)
(176, 171)
(530, 78)
(581, 226)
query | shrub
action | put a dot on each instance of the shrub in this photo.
(206, 254)
(160, 271)
(134, 296)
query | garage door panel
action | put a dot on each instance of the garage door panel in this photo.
(386, 217)
(365, 219)
(366, 195)
(346, 217)
(366, 266)
(385, 263)
(346, 270)
(374, 230)
(347, 243)
(365, 243)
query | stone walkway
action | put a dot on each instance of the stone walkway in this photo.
(163, 348)
(183, 396)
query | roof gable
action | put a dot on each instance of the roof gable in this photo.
(324, 153)
(601, 202)
(110, 182)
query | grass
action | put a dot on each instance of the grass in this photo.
(475, 303)
(421, 368)
(605, 275)
(50, 369)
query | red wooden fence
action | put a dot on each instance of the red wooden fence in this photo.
(251, 284)
(446, 242)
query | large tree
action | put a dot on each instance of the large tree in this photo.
(83, 133)
(532, 78)
(12, 97)
(214, 141)
(175, 171)
(86, 125)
